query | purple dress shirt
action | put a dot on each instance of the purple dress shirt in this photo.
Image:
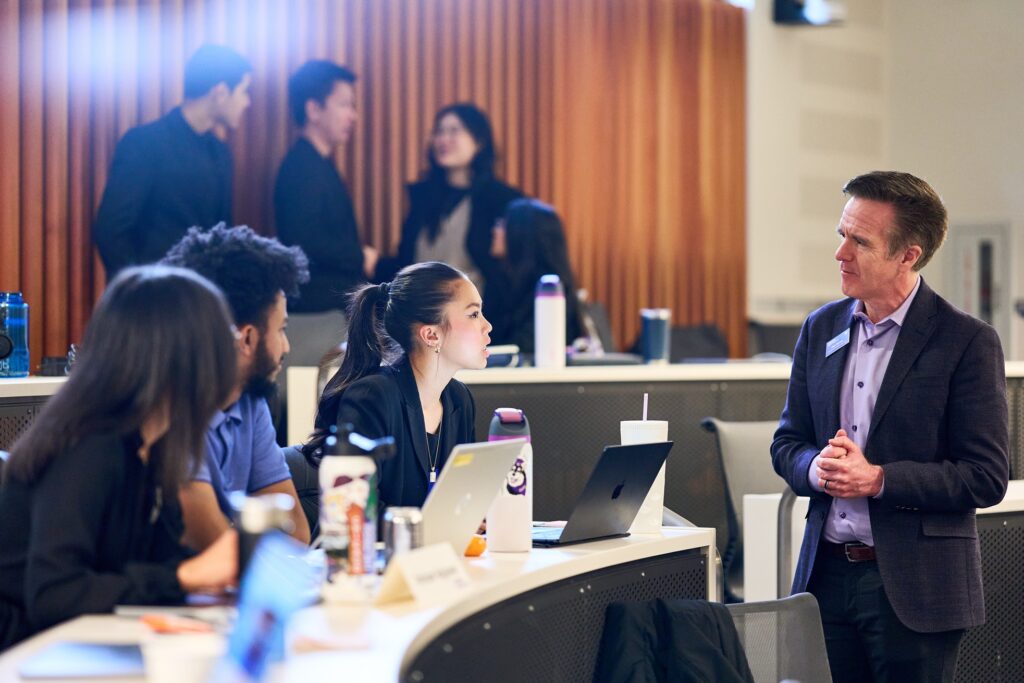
(871, 347)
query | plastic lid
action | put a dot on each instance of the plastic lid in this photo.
(550, 285)
(510, 415)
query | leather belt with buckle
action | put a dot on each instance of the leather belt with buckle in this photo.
(851, 552)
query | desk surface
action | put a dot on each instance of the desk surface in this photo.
(393, 634)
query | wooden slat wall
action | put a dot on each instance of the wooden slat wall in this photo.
(626, 115)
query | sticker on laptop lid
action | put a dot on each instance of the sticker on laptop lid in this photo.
(462, 459)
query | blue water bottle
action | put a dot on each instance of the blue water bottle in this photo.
(13, 335)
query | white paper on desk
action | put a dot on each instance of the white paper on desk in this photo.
(429, 575)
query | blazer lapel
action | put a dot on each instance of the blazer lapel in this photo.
(832, 371)
(917, 328)
(449, 422)
(413, 413)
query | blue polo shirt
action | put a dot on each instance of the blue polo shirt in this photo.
(241, 451)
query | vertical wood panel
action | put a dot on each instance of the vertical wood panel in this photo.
(10, 137)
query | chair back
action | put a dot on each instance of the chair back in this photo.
(697, 342)
(783, 639)
(744, 453)
(307, 485)
(3, 461)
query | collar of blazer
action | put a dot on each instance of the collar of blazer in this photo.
(414, 413)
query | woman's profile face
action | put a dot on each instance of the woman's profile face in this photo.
(464, 343)
(453, 146)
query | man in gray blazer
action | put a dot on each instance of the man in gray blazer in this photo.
(895, 426)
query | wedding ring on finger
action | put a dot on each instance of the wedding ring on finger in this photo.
(825, 487)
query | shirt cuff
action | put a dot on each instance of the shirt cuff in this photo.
(881, 491)
(812, 477)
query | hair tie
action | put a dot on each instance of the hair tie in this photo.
(384, 289)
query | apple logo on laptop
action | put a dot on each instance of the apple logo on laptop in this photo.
(618, 490)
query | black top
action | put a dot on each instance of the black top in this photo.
(387, 403)
(488, 202)
(165, 178)
(314, 210)
(93, 531)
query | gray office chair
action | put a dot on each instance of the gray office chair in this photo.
(3, 461)
(783, 639)
(743, 450)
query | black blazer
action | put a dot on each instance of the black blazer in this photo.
(387, 403)
(313, 210)
(488, 202)
(939, 430)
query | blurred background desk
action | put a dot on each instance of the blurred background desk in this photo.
(531, 616)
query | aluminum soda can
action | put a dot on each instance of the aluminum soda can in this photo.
(403, 530)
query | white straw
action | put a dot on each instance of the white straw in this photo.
(645, 406)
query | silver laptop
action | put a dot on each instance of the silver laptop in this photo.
(471, 478)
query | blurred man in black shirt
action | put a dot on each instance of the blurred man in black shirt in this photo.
(174, 173)
(312, 203)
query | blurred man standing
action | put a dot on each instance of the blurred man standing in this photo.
(174, 173)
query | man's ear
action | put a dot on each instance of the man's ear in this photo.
(219, 92)
(313, 110)
(911, 255)
(248, 340)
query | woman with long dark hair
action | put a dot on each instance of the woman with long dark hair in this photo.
(531, 240)
(88, 514)
(453, 208)
(424, 326)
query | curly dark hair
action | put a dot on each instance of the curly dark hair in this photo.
(250, 269)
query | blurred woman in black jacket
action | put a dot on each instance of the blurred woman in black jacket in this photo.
(454, 207)
(532, 243)
(88, 513)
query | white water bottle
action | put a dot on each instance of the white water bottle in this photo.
(549, 323)
(510, 517)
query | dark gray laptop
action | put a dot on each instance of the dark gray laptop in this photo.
(612, 497)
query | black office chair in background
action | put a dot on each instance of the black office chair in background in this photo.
(697, 342)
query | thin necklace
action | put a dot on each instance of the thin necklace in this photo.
(437, 450)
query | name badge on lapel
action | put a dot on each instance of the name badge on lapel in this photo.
(837, 342)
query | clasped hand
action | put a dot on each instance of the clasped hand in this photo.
(844, 472)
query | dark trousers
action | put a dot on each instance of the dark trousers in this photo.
(865, 639)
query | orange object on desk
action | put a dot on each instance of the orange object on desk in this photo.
(477, 545)
(169, 623)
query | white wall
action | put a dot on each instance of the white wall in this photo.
(934, 87)
(817, 115)
(957, 112)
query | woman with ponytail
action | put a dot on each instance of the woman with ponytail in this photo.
(406, 340)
